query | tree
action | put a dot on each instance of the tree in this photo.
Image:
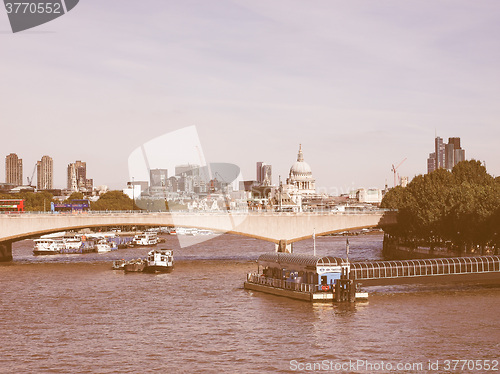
(472, 172)
(33, 201)
(74, 196)
(461, 206)
(114, 200)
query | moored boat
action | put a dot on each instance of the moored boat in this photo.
(134, 265)
(146, 238)
(119, 264)
(159, 261)
(304, 277)
(104, 246)
(48, 246)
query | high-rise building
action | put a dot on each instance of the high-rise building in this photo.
(431, 162)
(264, 174)
(259, 172)
(440, 152)
(445, 155)
(77, 177)
(158, 177)
(13, 170)
(44, 173)
(458, 152)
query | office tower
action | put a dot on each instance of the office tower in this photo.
(431, 163)
(259, 172)
(44, 172)
(454, 153)
(445, 155)
(158, 177)
(449, 156)
(13, 170)
(440, 152)
(77, 177)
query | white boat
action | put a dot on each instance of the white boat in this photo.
(146, 238)
(159, 260)
(105, 246)
(102, 246)
(205, 232)
(190, 231)
(48, 246)
(72, 242)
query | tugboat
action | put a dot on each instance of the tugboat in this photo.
(134, 266)
(159, 261)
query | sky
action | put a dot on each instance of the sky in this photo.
(361, 85)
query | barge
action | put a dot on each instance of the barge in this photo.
(158, 261)
(304, 277)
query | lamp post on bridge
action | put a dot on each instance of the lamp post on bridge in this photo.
(133, 194)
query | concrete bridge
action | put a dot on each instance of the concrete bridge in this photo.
(280, 228)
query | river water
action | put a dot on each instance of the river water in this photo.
(73, 314)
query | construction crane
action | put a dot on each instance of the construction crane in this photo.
(394, 169)
(30, 180)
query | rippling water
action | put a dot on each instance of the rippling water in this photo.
(73, 314)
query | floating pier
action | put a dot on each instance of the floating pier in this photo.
(314, 278)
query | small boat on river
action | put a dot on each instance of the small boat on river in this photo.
(146, 238)
(48, 246)
(134, 266)
(159, 261)
(104, 246)
(119, 264)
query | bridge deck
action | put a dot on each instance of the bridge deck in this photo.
(455, 269)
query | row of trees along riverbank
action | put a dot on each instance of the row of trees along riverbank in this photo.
(458, 209)
(109, 201)
(40, 201)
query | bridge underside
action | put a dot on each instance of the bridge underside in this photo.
(271, 227)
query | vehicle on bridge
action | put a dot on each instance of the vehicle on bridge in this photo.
(76, 205)
(12, 205)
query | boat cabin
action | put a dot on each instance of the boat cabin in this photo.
(300, 268)
(160, 257)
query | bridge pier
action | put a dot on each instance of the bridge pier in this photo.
(283, 246)
(5, 251)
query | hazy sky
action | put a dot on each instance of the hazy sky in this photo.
(361, 84)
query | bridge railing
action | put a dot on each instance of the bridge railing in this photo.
(208, 212)
(425, 267)
(280, 283)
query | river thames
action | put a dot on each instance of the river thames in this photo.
(73, 314)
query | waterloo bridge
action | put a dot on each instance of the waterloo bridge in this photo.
(283, 229)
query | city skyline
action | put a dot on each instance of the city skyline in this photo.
(361, 85)
(449, 155)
